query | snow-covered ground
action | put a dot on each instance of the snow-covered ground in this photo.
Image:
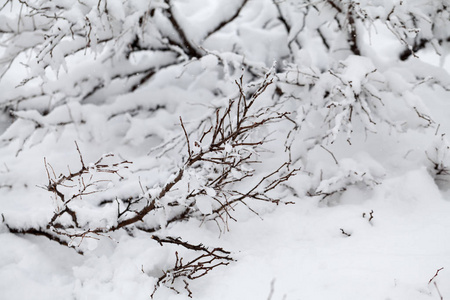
(297, 249)
(399, 239)
(366, 216)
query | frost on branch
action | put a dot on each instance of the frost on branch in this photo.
(214, 174)
(183, 271)
(211, 111)
(348, 173)
(74, 211)
(217, 174)
(351, 96)
(341, 25)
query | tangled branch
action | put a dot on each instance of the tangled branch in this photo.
(193, 269)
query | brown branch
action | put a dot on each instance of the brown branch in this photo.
(435, 275)
(226, 21)
(352, 32)
(186, 45)
(41, 232)
(151, 206)
(331, 153)
(334, 5)
(252, 193)
(187, 138)
(345, 233)
(194, 269)
(281, 17)
(226, 131)
(439, 292)
(199, 247)
(423, 116)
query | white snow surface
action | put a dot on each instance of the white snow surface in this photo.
(382, 234)
(299, 247)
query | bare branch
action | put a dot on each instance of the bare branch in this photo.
(435, 275)
(226, 21)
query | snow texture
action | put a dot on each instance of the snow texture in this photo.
(306, 138)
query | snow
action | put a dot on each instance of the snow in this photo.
(365, 217)
(300, 246)
(204, 204)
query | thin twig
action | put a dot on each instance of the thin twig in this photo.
(335, 160)
(187, 137)
(435, 275)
